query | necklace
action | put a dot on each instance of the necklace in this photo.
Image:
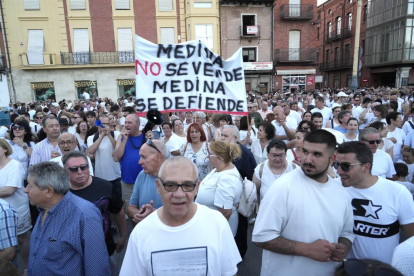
(282, 171)
(135, 147)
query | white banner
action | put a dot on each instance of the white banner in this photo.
(188, 76)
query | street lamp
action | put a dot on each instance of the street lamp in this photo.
(354, 83)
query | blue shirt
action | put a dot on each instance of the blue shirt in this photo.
(129, 161)
(8, 225)
(70, 241)
(144, 191)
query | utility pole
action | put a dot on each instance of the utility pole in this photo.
(354, 83)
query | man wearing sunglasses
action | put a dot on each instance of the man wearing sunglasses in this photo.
(145, 199)
(182, 235)
(382, 165)
(305, 220)
(380, 206)
(99, 192)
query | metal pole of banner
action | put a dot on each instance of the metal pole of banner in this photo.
(354, 83)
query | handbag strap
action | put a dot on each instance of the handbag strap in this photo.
(261, 170)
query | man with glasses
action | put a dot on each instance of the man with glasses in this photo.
(68, 238)
(382, 164)
(99, 192)
(380, 206)
(305, 220)
(67, 143)
(175, 236)
(145, 198)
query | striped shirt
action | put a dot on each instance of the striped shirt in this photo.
(8, 225)
(42, 152)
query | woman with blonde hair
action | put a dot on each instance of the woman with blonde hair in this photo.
(221, 189)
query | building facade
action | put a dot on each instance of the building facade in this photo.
(248, 25)
(60, 48)
(390, 42)
(336, 39)
(295, 44)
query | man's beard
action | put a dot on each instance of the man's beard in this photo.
(316, 175)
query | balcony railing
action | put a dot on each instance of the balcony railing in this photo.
(80, 58)
(296, 12)
(336, 64)
(249, 31)
(296, 55)
(337, 34)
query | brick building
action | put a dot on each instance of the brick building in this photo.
(249, 25)
(295, 44)
(336, 40)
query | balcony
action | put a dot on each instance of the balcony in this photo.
(346, 31)
(296, 12)
(249, 32)
(293, 55)
(2, 63)
(338, 34)
(336, 64)
(48, 59)
(81, 58)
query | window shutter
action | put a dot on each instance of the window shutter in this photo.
(204, 33)
(77, 5)
(167, 36)
(125, 49)
(31, 5)
(122, 4)
(165, 5)
(35, 47)
(81, 40)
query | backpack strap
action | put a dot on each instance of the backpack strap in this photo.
(411, 124)
(96, 136)
(261, 170)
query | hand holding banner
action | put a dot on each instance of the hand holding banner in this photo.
(188, 76)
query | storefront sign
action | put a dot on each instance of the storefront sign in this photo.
(318, 79)
(91, 87)
(252, 30)
(43, 91)
(258, 65)
(126, 88)
(310, 80)
(297, 72)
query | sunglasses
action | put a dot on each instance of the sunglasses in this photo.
(152, 145)
(249, 107)
(18, 127)
(371, 142)
(74, 169)
(355, 267)
(39, 118)
(344, 166)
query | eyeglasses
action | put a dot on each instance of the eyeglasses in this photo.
(344, 166)
(152, 145)
(66, 142)
(212, 155)
(279, 156)
(249, 107)
(371, 142)
(18, 127)
(74, 169)
(40, 118)
(304, 128)
(172, 186)
(357, 267)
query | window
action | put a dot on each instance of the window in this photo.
(31, 5)
(167, 36)
(338, 25)
(329, 11)
(165, 5)
(204, 33)
(318, 30)
(319, 15)
(349, 21)
(336, 81)
(81, 46)
(35, 47)
(206, 4)
(365, 13)
(347, 53)
(125, 49)
(249, 54)
(349, 1)
(248, 20)
(329, 29)
(328, 56)
(348, 80)
(337, 55)
(77, 5)
(294, 8)
(122, 4)
(363, 47)
(294, 45)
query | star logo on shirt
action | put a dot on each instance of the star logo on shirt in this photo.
(365, 208)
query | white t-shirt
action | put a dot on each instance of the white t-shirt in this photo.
(378, 213)
(86, 96)
(268, 178)
(59, 161)
(173, 144)
(203, 244)
(243, 134)
(326, 114)
(295, 116)
(222, 190)
(290, 123)
(407, 126)
(105, 166)
(403, 257)
(399, 135)
(408, 185)
(383, 165)
(259, 154)
(298, 208)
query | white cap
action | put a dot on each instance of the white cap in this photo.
(342, 94)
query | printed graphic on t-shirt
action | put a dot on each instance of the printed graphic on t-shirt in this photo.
(182, 261)
(366, 208)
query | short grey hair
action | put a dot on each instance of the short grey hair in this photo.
(176, 161)
(74, 154)
(199, 113)
(51, 174)
(235, 130)
(363, 133)
(161, 147)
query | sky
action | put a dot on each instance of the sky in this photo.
(321, 2)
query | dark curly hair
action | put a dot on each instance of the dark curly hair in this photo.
(28, 136)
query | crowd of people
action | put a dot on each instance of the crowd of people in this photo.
(333, 170)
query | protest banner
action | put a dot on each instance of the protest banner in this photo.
(188, 76)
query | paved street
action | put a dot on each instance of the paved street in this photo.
(252, 262)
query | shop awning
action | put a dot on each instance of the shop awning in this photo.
(296, 72)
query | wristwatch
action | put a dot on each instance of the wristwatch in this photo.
(24, 147)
